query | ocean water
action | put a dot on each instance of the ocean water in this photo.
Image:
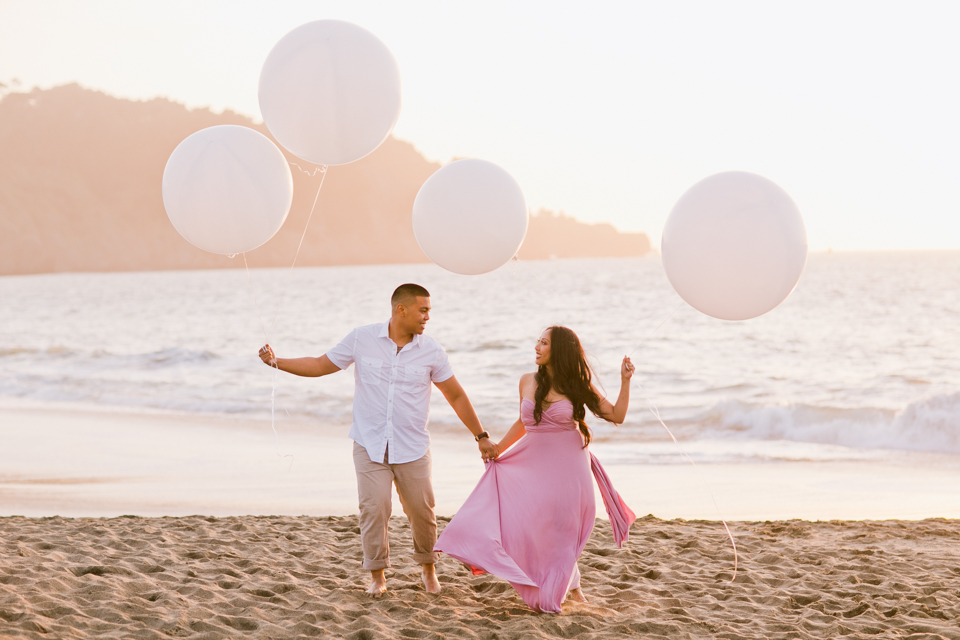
(861, 362)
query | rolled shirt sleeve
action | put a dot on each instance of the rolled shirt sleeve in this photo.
(343, 354)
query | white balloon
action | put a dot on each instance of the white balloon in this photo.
(470, 217)
(330, 92)
(227, 189)
(734, 245)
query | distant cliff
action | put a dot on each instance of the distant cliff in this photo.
(553, 235)
(80, 175)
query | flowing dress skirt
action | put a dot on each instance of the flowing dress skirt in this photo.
(532, 512)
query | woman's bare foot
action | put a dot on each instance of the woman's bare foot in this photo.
(379, 584)
(577, 594)
(430, 582)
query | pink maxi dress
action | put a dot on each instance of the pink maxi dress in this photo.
(533, 510)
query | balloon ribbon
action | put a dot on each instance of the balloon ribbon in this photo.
(283, 292)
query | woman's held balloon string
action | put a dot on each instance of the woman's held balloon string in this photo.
(733, 247)
(656, 412)
(657, 328)
(683, 454)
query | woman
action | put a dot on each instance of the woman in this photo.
(532, 512)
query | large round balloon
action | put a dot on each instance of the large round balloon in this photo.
(227, 189)
(734, 245)
(470, 217)
(330, 92)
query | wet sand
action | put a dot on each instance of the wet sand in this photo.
(289, 577)
(77, 464)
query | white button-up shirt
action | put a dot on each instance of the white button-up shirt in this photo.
(391, 402)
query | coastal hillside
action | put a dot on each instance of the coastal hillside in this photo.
(80, 175)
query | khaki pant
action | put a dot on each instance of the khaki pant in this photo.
(374, 480)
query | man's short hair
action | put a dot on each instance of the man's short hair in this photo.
(407, 292)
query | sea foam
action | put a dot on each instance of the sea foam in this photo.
(930, 424)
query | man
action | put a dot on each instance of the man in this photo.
(394, 366)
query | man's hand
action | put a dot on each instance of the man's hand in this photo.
(266, 354)
(488, 449)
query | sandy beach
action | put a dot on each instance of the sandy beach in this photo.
(222, 575)
(289, 577)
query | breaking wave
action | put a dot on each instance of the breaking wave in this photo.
(931, 424)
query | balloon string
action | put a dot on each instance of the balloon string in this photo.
(273, 403)
(656, 412)
(283, 292)
(313, 172)
(273, 390)
(256, 304)
(649, 335)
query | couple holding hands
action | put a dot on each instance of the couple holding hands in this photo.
(533, 510)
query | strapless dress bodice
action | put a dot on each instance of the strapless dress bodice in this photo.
(558, 416)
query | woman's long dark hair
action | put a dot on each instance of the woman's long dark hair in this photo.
(572, 378)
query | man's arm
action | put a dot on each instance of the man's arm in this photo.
(461, 404)
(306, 367)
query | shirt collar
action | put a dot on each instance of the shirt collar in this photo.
(385, 333)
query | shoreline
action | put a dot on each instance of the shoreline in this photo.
(291, 577)
(61, 461)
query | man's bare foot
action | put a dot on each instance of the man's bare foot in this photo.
(379, 584)
(577, 594)
(430, 582)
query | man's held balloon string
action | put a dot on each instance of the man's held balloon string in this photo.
(312, 172)
(256, 303)
(273, 390)
(322, 170)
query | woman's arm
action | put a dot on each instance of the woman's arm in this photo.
(513, 434)
(516, 431)
(617, 413)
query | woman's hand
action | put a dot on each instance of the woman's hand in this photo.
(266, 354)
(626, 369)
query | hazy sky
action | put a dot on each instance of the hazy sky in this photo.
(606, 110)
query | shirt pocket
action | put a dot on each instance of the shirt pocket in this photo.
(416, 377)
(370, 370)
